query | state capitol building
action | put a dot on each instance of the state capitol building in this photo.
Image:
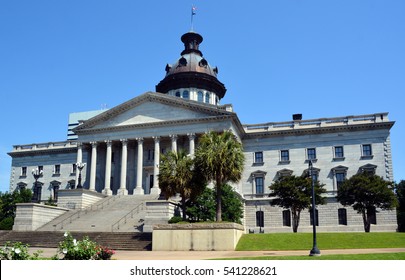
(121, 148)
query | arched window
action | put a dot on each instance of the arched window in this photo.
(178, 93)
(200, 96)
(186, 95)
(207, 98)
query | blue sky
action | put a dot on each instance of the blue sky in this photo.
(276, 58)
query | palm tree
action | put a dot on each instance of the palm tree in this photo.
(176, 176)
(219, 157)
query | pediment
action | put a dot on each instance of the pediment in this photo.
(151, 108)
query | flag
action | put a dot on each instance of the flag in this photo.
(193, 9)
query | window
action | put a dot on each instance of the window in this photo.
(207, 98)
(41, 169)
(260, 218)
(186, 95)
(259, 185)
(316, 217)
(339, 152)
(311, 153)
(24, 171)
(340, 177)
(368, 168)
(151, 154)
(367, 151)
(21, 186)
(286, 218)
(200, 96)
(258, 157)
(55, 190)
(314, 175)
(284, 155)
(342, 216)
(177, 94)
(74, 168)
(56, 169)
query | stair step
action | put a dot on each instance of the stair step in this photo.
(51, 239)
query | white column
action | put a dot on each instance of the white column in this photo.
(138, 189)
(191, 137)
(107, 176)
(174, 143)
(93, 166)
(155, 189)
(124, 158)
(79, 158)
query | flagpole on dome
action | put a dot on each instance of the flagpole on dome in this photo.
(193, 12)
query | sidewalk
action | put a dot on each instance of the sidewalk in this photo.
(204, 255)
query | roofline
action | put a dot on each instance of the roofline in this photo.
(151, 96)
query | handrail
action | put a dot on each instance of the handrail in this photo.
(126, 216)
(104, 201)
(84, 211)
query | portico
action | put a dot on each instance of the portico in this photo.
(138, 162)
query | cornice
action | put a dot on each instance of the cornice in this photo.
(319, 130)
(156, 124)
(23, 153)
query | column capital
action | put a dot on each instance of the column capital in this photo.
(173, 136)
(191, 136)
(79, 144)
(124, 141)
(139, 140)
(108, 142)
(156, 138)
(93, 144)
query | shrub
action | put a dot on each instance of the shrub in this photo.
(175, 220)
(85, 249)
(16, 251)
(7, 223)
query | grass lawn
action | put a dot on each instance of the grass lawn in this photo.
(382, 256)
(303, 241)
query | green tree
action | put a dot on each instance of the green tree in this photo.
(400, 192)
(177, 176)
(366, 192)
(203, 208)
(295, 193)
(219, 157)
(8, 206)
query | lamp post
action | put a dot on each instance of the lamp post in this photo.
(80, 166)
(314, 251)
(37, 188)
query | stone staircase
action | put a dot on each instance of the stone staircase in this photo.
(112, 214)
(51, 239)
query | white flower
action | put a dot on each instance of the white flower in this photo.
(17, 251)
(74, 242)
(66, 234)
(64, 251)
(12, 249)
